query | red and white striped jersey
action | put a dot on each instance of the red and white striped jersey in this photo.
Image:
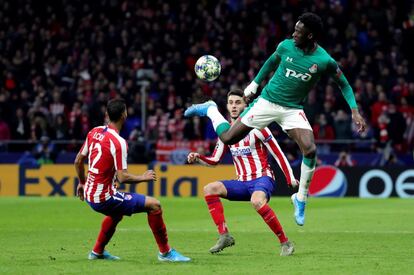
(250, 156)
(107, 152)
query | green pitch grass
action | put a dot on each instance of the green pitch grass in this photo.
(341, 236)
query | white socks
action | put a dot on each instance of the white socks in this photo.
(306, 174)
(215, 116)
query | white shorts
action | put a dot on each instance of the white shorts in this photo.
(263, 112)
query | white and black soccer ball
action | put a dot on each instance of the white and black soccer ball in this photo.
(207, 68)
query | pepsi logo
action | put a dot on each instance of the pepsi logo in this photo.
(328, 181)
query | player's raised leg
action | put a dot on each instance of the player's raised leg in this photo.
(212, 193)
(304, 138)
(259, 202)
(108, 228)
(159, 231)
(228, 134)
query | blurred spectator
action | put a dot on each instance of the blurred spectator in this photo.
(44, 151)
(4, 130)
(342, 124)
(396, 127)
(322, 130)
(20, 125)
(176, 126)
(344, 160)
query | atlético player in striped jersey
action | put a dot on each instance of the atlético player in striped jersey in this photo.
(255, 181)
(106, 152)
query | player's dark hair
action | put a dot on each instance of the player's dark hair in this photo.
(237, 92)
(115, 108)
(313, 23)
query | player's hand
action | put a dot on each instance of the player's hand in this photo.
(149, 175)
(79, 191)
(359, 121)
(251, 89)
(193, 157)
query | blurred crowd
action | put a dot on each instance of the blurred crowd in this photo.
(62, 60)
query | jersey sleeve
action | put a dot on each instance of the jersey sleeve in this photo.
(335, 72)
(85, 147)
(119, 153)
(216, 157)
(271, 64)
(273, 147)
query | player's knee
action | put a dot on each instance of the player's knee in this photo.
(153, 204)
(257, 203)
(211, 189)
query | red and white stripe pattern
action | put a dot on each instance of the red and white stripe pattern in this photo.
(250, 156)
(107, 152)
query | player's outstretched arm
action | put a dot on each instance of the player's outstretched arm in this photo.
(124, 177)
(212, 160)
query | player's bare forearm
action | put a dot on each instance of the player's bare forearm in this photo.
(80, 167)
(127, 178)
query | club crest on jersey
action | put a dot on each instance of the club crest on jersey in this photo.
(128, 197)
(314, 68)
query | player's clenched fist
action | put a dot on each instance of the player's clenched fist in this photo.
(193, 157)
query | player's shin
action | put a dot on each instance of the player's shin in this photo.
(306, 173)
(217, 212)
(159, 230)
(220, 124)
(272, 221)
(107, 231)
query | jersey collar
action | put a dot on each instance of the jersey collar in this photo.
(110, 126)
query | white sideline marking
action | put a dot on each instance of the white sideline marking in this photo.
(260, 231)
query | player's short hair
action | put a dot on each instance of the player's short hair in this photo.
(115, 108)
(313, 23)
(237, 92)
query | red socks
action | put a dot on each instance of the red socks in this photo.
(159, 230)
(107, 231)
(270, 218)
(217, 213)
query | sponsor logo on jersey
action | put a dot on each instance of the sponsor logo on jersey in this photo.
(240, 151)
(328, 181)
(314, 68)
(289, 59)
(304, 77)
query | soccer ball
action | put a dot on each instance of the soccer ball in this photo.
(207, 68)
